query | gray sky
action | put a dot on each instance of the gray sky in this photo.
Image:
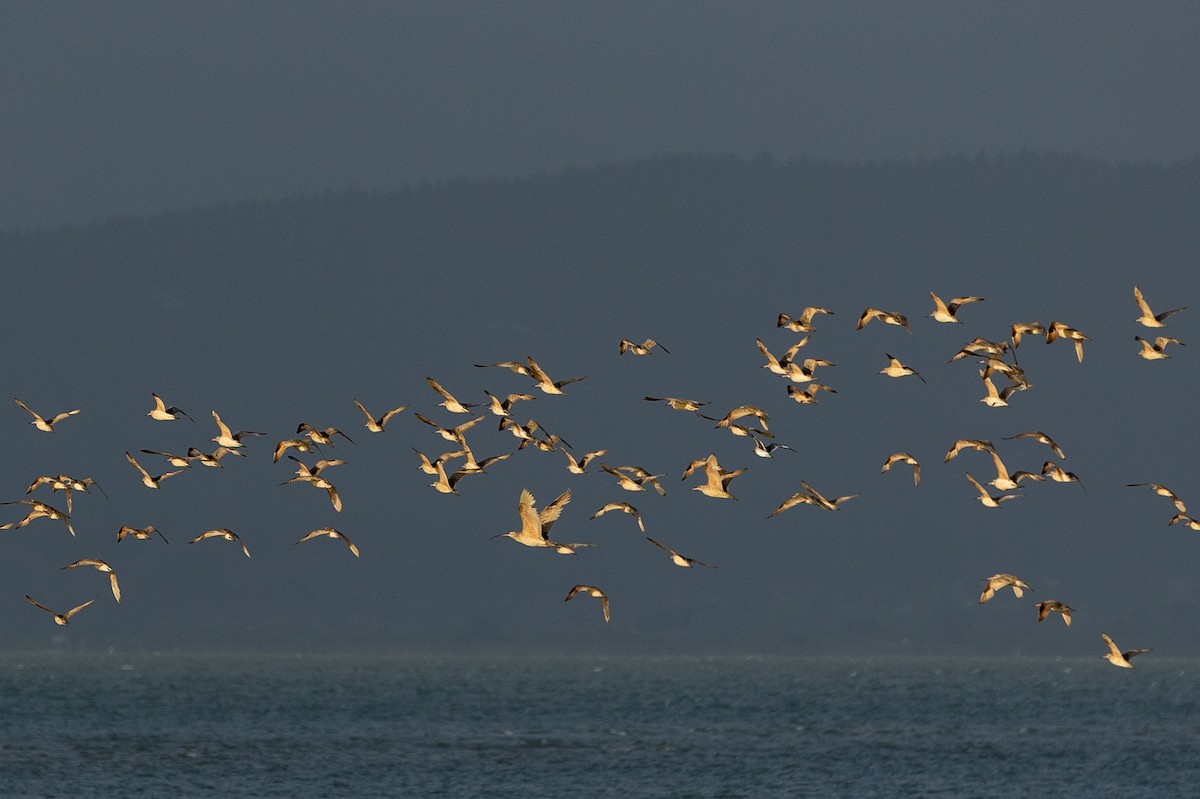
(274, 314)
(134, 107)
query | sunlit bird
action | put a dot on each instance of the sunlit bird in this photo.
(501, 407)
(580, 466)
(178, 461)
(376, 425)
(981, 347)
(887, 317)
(445, 484)
(148, 480)
(318, 436)
(312, 475)
(1118, 658)
(1004, 481)
(625, 481)
(897, 369)
(330, 532)
(779, 365)
(945, 311)
(213, 460)
(810, 496)
(66, 484)
(228, 439)
(449, 402)
(451, 433)
(1163, 491)
(100, 566)
(808, 394)
(994, 398)
(227, 534)
(903, 457)
(1020, 329)
(1148, 317)
(678, 403)
(768, 450)
(1060, 330)
(624, 507)
(998, 581)
(298, 444)
(1052, 605)
(643, 476)
(717, 479)
(61, 619)
(742, 411)
(535, 526)
(543, 380)
(1041, 438)
(802, 323)
(680, 560)
(1183, 518)
(1156, 351)
(38, 510)
(986, 499)
(591, 590)
(640, 349)
(430, 467)
(42, 423)
(162, 413)
(968, 443)
(140, 533)
(1058, 474)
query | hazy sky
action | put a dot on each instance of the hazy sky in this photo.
(279, 313)
(117, 108)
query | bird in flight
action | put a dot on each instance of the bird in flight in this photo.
(162, 413)
(225, 438)
(998, 581)
(987, 499)
(802, 323)
(1163, 491)
(945, 311)
(330, 532)
(224, 532)
(591, 590)
(1041, 438)
(1118, 658)
(449, 402)
(376, 425)
(887, 317)
(38, 510)
(1060, 330)
(624, 507)
(1148, 317)
(1052, 605)
(535, 525)
(99, 566)
(140, 533)
(640, 349)
(897, 369)
(1156, 351)
(680, 560)
(148, 480)
(903, 457)
(717, 479)
(678, 403)
(40, 422)
(61, 619)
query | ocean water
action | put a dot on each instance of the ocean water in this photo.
(114, 725)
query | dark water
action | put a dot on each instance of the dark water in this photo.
(273, 725)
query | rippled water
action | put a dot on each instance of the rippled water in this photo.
(255, 725)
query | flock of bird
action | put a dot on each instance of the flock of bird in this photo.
(996, 361)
